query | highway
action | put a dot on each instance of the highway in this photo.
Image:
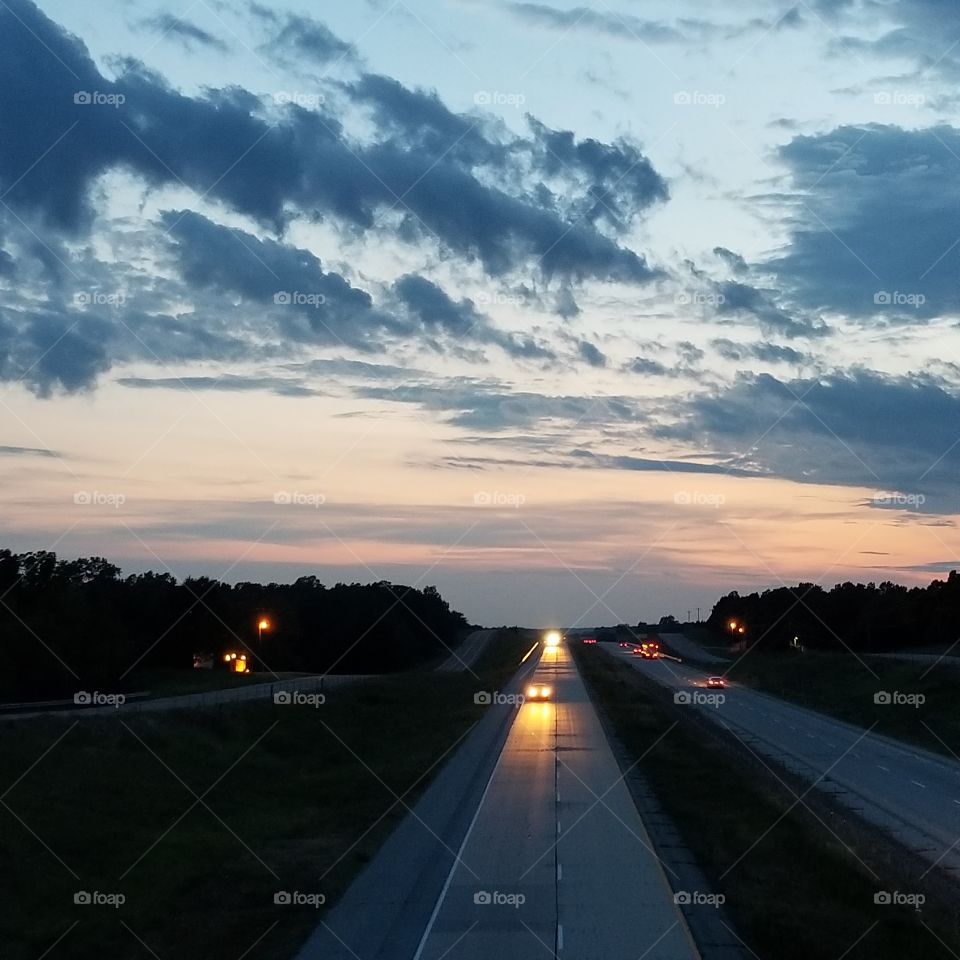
(466, 655)
(554, 848)
(527, 843)
(908, 791)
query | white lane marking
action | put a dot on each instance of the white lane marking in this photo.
(559, 872)
(558, 827)
(457, 859)
(559, 936)
(918, 784)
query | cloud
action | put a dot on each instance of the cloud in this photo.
(28, 452)
(591, 354)
(875, 225)
(187, 33)
(621, 26)
(275, 163)
(281, 386)
(299, 39)
(765, 352)
(857, 427)
(434, 313)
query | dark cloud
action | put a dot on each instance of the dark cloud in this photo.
(591, 354)
(650, 368)
(855, 428)
(283, 387)
(280, 164)
(299, 39)
(610, 462)
(876, 225)
(492, 406)
(48, 351)
(435, 313)
(622, 26)
(189, 34)
(742, 299)
(27, 452)
(765, 352)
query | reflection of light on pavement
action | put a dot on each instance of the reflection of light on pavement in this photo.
(540, 711)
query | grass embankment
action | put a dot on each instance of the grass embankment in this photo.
(291, 798)
(845, 686)
(793, 890)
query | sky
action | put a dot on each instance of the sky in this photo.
(583, 313)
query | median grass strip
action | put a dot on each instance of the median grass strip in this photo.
(197, 819)
(906, 700)
(793, 890)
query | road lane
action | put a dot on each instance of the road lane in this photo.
(556, 845)
(908, 791)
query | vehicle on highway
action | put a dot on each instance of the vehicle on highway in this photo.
(539, 691)
(626, 644)
(716, 681)
(589, 639)
(552, 639)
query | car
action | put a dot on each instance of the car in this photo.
(716, 681)
(539, 691)
(589, 639)
(626, 644)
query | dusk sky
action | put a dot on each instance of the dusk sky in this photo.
(584, 313)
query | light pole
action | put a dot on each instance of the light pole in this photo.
(262, 624)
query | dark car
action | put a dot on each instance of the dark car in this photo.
(716, 682)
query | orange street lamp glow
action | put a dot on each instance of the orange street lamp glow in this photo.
(264, 624)
(732, 624)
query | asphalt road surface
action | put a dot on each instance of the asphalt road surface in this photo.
(910, 792)
(557, 861)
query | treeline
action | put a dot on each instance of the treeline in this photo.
(68, 625)
(857, 616)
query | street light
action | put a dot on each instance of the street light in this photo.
(263, 624)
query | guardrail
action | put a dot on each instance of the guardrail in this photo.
(188, 701)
